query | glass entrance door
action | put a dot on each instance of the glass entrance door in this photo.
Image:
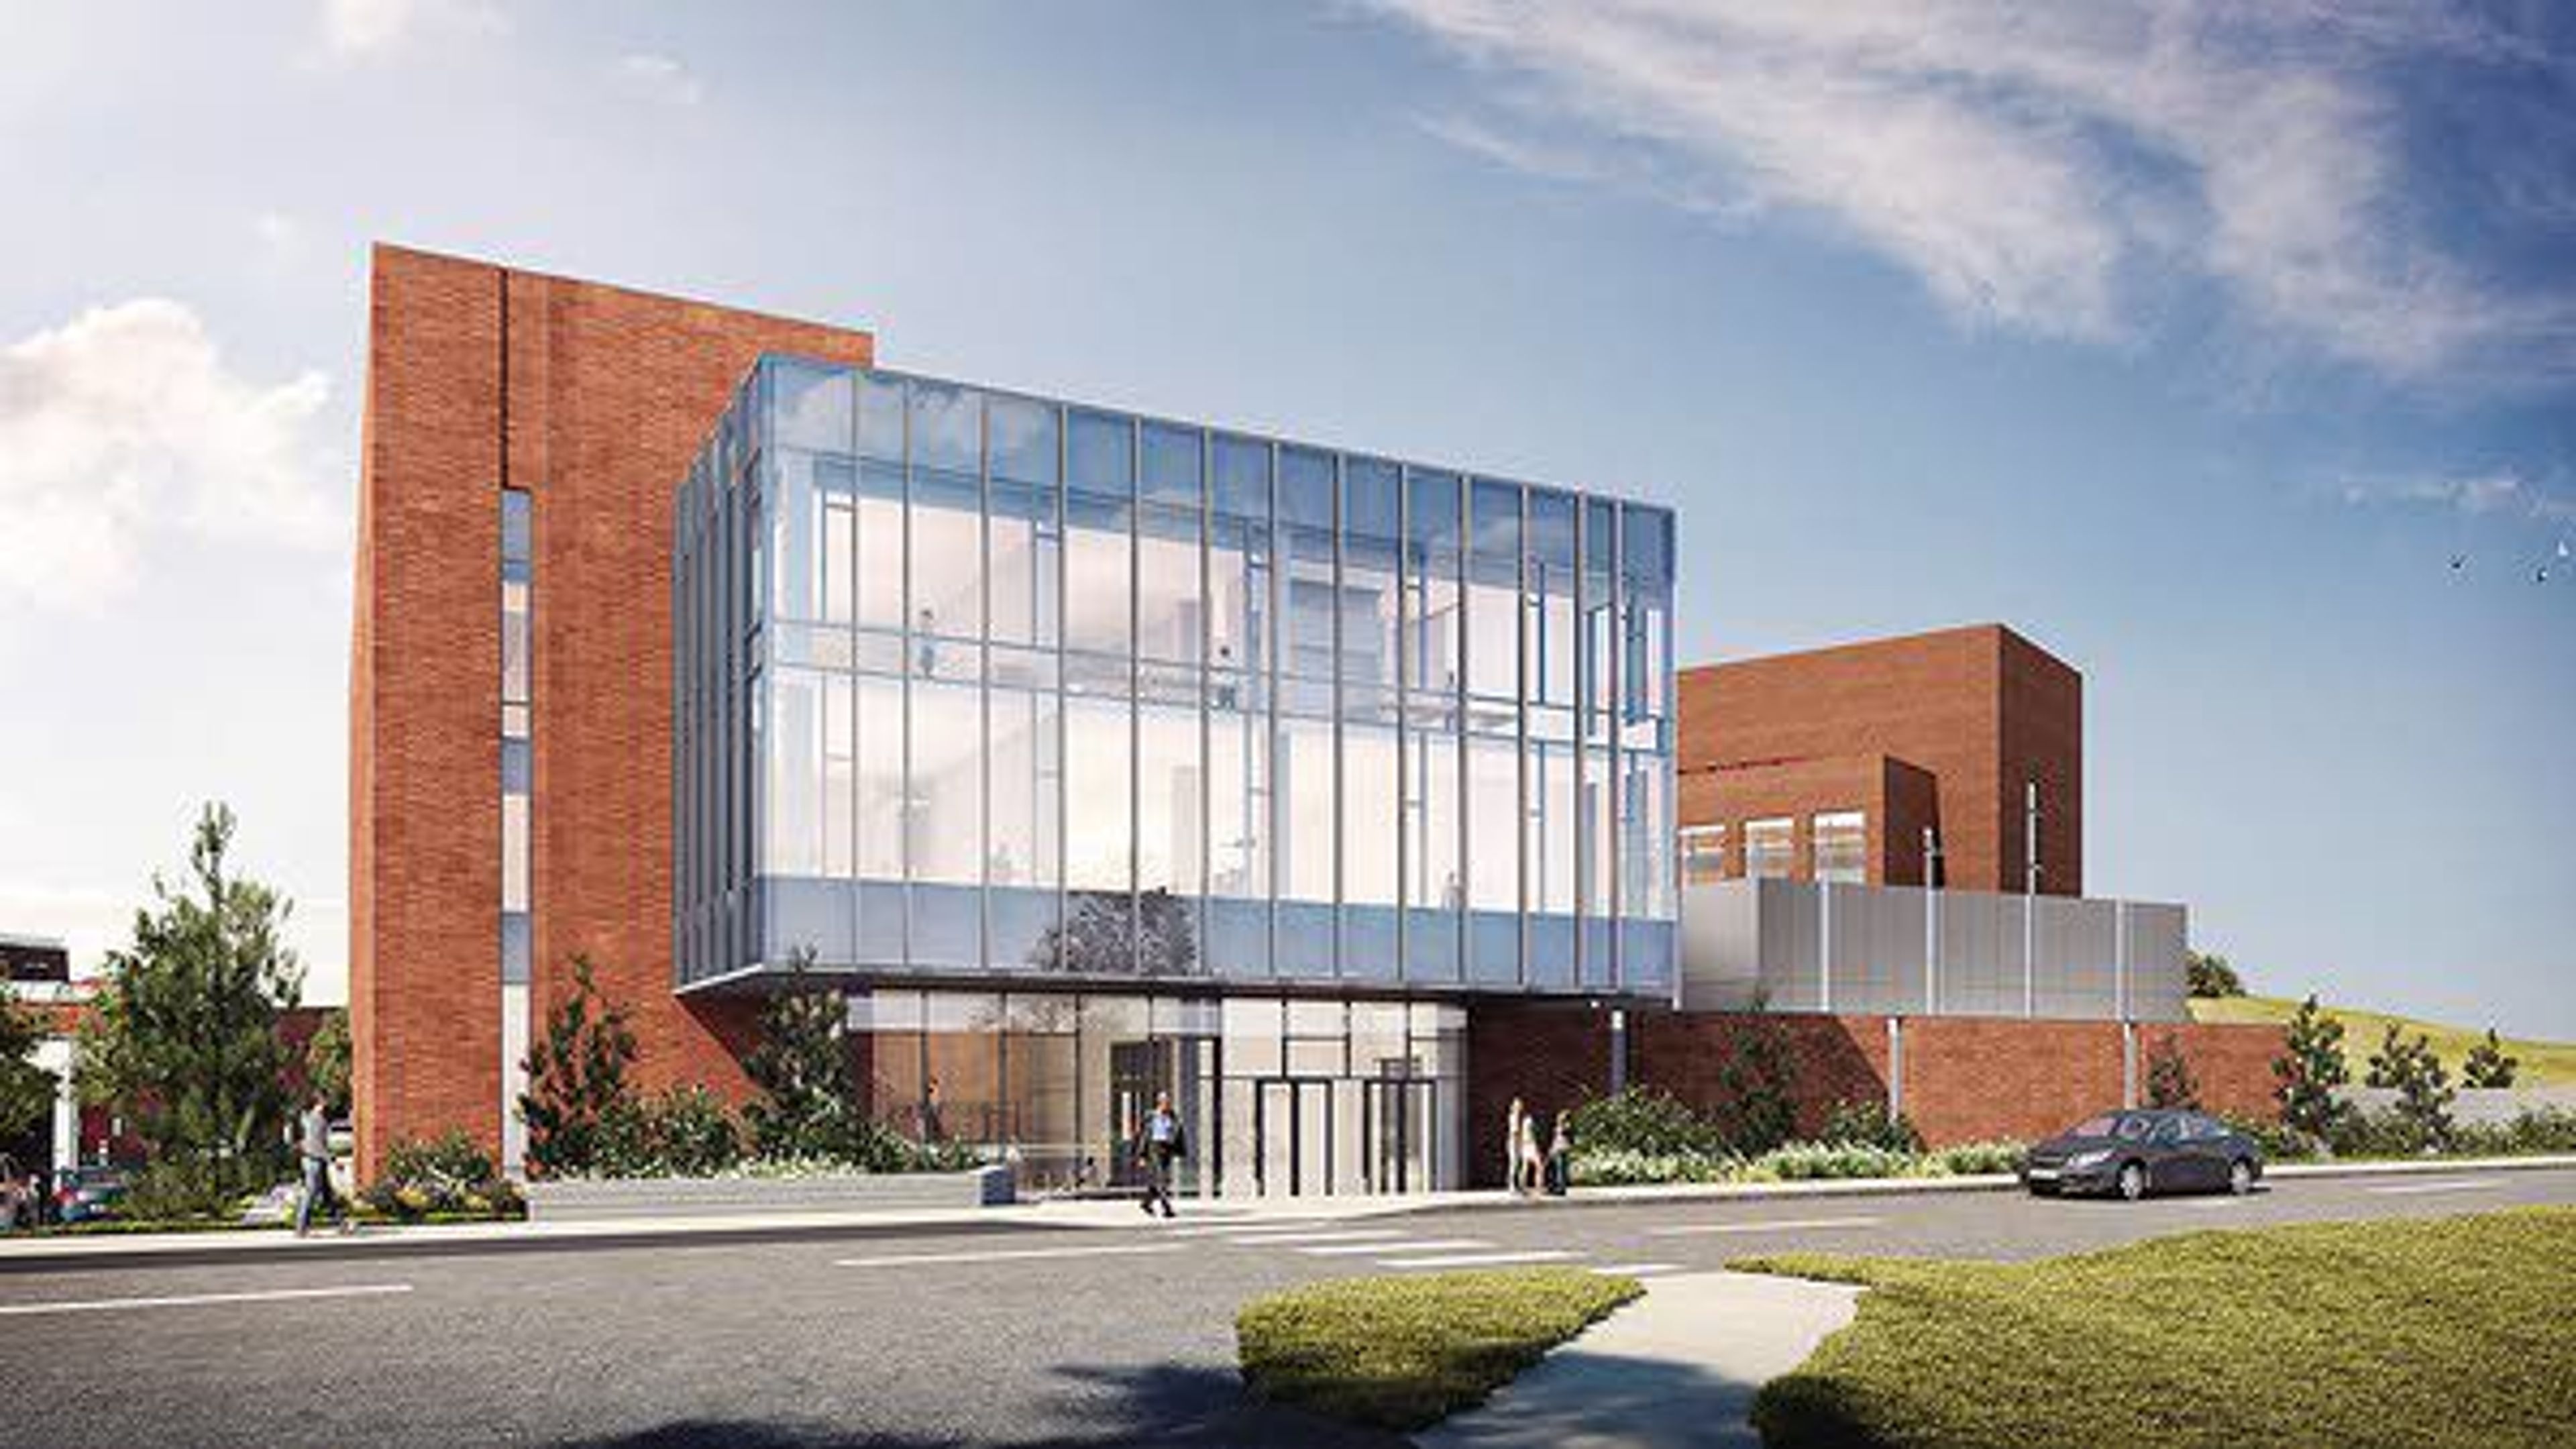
(1397, 1125)
(1292, 1136)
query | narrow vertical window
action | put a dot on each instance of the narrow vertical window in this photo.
(518, 778)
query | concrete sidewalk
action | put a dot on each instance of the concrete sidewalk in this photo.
(1679, 1367)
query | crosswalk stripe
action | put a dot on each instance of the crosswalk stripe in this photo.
(1439, 1245)
(1334, 1235)
(1481, 1260)
(989, 1255)
(1774, 1225)
(1257, 1225)
(1634, 1270)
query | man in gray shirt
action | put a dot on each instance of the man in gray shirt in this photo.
(313, 1149)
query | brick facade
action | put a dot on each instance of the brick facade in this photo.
(1966, 1079)
(593, 399)
(1970, 714)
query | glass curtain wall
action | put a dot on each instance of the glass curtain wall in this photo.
(974, 682)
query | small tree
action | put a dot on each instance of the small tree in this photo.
(2486, 1065)
(26, 1090)
(1759, 1076)
(2424, 1092)
(2309, 1070)
(576, 1077)
(809, 1102)
(183, 1041)
(2211, 975)
(326, 1061)
(2169, 1079)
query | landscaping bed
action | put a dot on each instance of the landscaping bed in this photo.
(1404, 1352)
(2437, 1332)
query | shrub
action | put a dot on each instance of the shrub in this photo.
(1759, 1075)
(809, 1101)
(1869, 1123)
(449, 1174)
(2169, 1079)
(576, 1077)
(683, 1131)
(1642, 1120)
(2311, 1066)
(2424, 1091)
(1800, 1161)
(2487, 1066)
(177, 1189)
(1977, 1159)
(1623, 1167)
(1403, 1351)
(2534, 1129)
(2280, 1143)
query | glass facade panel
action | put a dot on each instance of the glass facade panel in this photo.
(969, 680)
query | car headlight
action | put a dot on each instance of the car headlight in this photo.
(2094, 1158)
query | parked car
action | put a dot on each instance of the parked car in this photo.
(82, 1194)
(2134, 1153)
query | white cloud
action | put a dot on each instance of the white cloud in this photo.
(2502, 493)
(660, 78)
(2042, 168)
(126, 422)
(358, 29)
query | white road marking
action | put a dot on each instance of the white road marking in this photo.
(196, 1300)
(1258, 1225)
(2453, 1185)
(1774, 1225)
(1480, 1260)
(1635, 1270)
(1336, 1235)
(992, 1255)
(1440, 1245)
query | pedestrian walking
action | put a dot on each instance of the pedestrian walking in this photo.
(1512, 1122)
(313, 1148)
(1163, 1144)
(1533, 1163)
(1560, 1160)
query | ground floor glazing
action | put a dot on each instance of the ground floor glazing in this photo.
(1278, 1096)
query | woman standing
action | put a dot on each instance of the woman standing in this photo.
(1515, 1126)
(1533, 1165)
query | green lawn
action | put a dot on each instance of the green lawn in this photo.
(1404, 1352)
(2540, 1063)
(2428, 1332)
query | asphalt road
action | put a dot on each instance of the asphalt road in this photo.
(1025, 1336)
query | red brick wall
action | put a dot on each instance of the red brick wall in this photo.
(1967, 1079)
(1980, 708)
(1973, 1079)
(1837, 1058)
(2232, 1063)
(1551, 1055)
(593, 399)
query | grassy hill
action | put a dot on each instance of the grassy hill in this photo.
(2540, 1063)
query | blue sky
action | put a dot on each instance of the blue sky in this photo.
(2196, 346)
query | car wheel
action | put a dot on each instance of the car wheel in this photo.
(2240, 1177)
(2133, 1181)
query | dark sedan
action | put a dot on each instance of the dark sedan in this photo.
(2138, 1152)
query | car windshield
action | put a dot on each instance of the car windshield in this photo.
(2093, 1127)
